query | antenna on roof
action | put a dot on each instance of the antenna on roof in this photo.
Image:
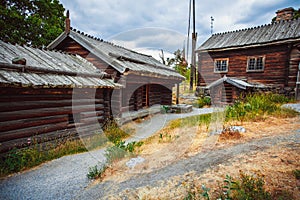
(211, 24)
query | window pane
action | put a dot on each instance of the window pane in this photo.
(251, 64)
(224, 65)
(259, 63)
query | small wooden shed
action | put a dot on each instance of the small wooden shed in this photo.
(146, 81)
(49, 95)
(226, 89)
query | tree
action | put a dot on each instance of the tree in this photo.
(32, 22)
(178, 62)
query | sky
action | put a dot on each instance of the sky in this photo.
(151, 26)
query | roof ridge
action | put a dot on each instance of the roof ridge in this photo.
(107, 42)
(256, 27)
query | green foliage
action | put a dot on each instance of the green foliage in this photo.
(198, 120)
(296, 173)
(202, 101)
(256, 106)
(178, 62)
(113, 132)
(120, 150)
(114, 154)
(35, 23)
(250, 187)
(20, 159)
(96, 172)
(246, 187)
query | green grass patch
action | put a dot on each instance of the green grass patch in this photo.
(114, 133)
(21, 159)
(197, 120)
(258, 106)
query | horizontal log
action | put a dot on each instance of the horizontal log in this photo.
(91, 114)
(25, 105)
(45, 139)
(31, 122)
(32, 131)
(16, 98)
(43, 112)
(92, 120)
(52, 138)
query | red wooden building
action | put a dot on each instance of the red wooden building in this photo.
(266, 56)
(146, 81)
(49, 95)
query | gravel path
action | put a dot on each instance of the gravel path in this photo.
(65, 178)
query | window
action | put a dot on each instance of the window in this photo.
(256, 64)
(221, 65)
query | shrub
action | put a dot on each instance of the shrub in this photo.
(113, 132)
(245, 187)
(95, 172)
(202, 101)
(120, 150)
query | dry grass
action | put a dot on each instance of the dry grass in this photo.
(167, 146)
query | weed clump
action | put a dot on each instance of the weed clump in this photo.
(245, 187)
(258, 107)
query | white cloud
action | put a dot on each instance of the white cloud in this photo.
(129, 20)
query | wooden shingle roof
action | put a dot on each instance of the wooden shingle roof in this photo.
(278, 32)
(120, 58)
(48, 69)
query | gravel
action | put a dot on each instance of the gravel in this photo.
(65, 178)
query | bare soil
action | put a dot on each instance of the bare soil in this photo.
(269, 148)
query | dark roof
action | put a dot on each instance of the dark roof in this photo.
(120, 58)
(46, 69)
(277, 32)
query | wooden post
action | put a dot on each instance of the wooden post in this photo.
(177, 93)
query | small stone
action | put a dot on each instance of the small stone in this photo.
(134, 161)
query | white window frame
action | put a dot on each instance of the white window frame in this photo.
(255, 64)
(221, 60)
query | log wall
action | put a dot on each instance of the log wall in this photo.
(48, 114)
(275, 71)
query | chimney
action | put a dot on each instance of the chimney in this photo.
(67, 23)
(285, 14)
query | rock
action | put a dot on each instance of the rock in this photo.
(134, 161)
(239, 129)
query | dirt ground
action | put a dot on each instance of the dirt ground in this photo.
(274, 164)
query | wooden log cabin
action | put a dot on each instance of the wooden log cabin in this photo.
(146, 82)
(267, 54)
(49, 95)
